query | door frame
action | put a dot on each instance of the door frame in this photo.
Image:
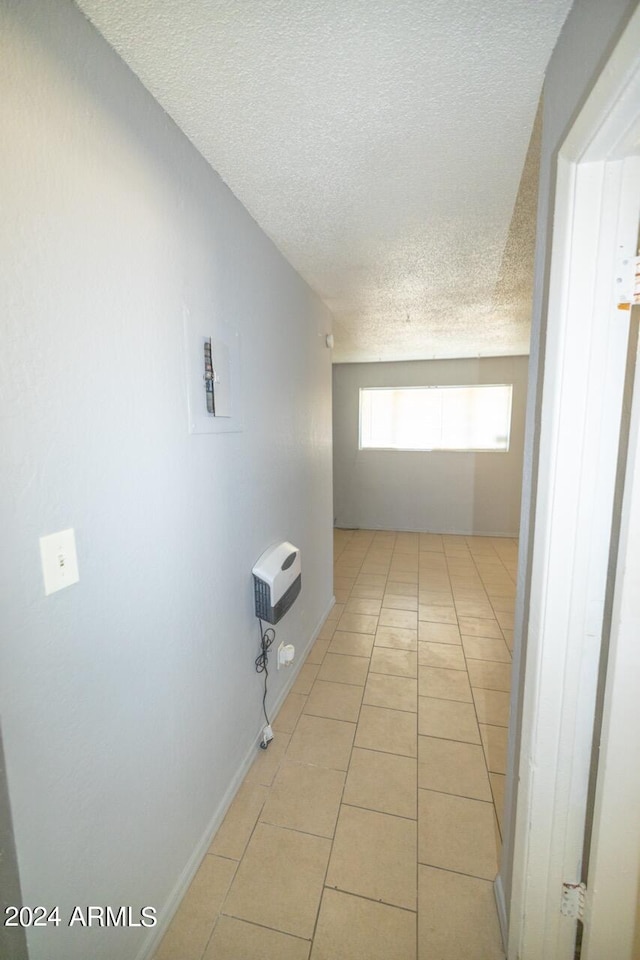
(595, 224)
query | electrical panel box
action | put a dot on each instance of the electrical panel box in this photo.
(277, 581)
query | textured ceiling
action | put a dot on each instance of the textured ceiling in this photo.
(380, 143)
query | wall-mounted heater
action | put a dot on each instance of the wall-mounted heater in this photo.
(277, 580)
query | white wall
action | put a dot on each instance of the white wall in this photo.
(130, 701)
(441, 492)
(585, 42)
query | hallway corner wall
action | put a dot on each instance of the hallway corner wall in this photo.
(437, 491)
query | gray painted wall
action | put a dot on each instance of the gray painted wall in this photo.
(13, 941)
(130, 702)
(441, 492)
(586, 40)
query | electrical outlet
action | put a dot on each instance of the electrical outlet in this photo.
(280, 656)
(286, 653)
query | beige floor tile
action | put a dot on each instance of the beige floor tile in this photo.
(500, 588)
(494, 741)
(446, 655)
(397, 693)
(289, 713)
(400, 638)
(400, 589)
(279, 881)
(445, 684)
(343, 595)
(382, 781)
(323, 742)
(351, 928)
(503, 604)
(357, 623)
(393, 731)
(191, 927)
(405, 577)
(360, 605)
(336, 611)
(462, 567)
(452, 767)
(265, 766)
(457, 917)
(377, 567)
(398, 618)
(343, 583)
(431, 541)
(233, 939)
(400, 663)
(474, 608)
(394, 602)
(492, 706)
(489, 675)
(374, 855)
(438, 632)
(441, 597)
(317, 652)
(366, 591)
(505, 620)
(407, 542)
(327, 630)
(479, 627)
(352, 644)
(484, 648)
(403, 572)
(468, 591)
(338, 701)
(457, 833)
(306, 676)
(233, 834)
(371, 580)
(404, 561)
(437, 613)
(449, 719)
(497, 788)
(305, 798)
(342, 668)
(508, 638)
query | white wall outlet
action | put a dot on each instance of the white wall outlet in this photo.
(286, 653)
(280, 657)
(59, 560)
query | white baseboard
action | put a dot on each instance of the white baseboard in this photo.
(498, 892)
(174, 899)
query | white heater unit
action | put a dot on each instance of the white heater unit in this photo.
(277, 580)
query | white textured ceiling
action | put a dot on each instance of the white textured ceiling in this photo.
(379, 143)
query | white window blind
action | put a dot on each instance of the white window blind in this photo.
(436, 418)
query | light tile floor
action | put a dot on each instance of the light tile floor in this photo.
(370, 828)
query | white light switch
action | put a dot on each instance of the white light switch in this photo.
(59, 560)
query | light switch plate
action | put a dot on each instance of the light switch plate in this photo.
(59, 560)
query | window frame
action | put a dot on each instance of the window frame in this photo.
(435, 386)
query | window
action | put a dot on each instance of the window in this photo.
(436, 418)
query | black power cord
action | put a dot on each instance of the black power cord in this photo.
(267, 636)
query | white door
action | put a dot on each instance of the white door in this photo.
(612, 907)
(595, 229)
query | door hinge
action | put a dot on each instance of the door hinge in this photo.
(573, 897)
(627, 279)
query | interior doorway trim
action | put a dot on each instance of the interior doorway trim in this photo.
(595, 223)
